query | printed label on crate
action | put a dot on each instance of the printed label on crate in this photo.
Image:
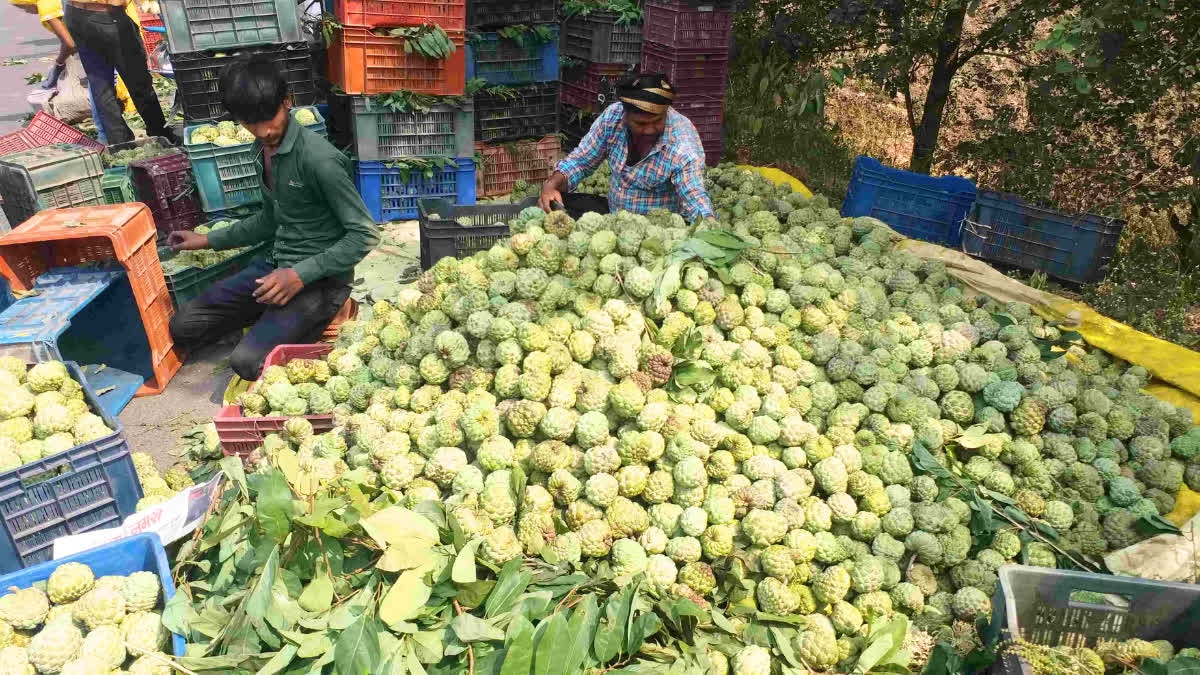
(172, 520)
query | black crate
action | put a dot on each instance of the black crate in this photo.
(574, 124)
(442, 235)
(597, 37)
(497, 13)
(196, 75)
(533, 113)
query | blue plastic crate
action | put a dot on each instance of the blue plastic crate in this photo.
(89, 487)
(389, 197)
(84, 315)
(913, 204)
(1071, 247)
(6, 296)
(139, 553)
(502, 61)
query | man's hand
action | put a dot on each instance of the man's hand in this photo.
(278, 287)
(552, 191)
(187, 241)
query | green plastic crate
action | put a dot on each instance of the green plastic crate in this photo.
(187, 284)
(117, 186)
(50, 177)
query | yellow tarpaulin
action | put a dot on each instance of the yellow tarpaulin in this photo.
(1176, 368)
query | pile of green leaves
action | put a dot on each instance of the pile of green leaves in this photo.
(526, 37)
(404, 101)
(421, 166)
(428, 40)
(628, 11)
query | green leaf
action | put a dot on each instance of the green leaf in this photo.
(512, 582)
(519, 658)
(643, 627)
(694, 373)
(274, 504)
(1064, 66)
(944, 660)
(1003, 320)
(281, 660)
(318, 595)
(357, 648)
(474, 594)
(470, 628)
(837, 75)
(582, 629)
(553, 648)
(258, 603)
(463, 571)
(924, 461)
(405, 598)
(1155, 525)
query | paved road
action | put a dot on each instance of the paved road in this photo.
(21, 37)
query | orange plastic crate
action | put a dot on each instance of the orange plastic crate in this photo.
(361, 62)
(121, 232)
(348, 312)
(451, 15)
(501, 166)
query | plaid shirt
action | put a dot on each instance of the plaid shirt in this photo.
(670, 176)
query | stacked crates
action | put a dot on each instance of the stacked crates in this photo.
(599, 47)
(404, 117)
(689, 43)
(513, 56)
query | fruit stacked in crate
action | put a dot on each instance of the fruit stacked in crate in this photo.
(514, 69)
(688, 41)
(402, 65)
(601, 42)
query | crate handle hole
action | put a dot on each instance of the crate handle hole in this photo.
(55, 472)
(1109, 602)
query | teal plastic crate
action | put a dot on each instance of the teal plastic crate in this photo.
(382, 134)
(117, 186)
(139, 553)
(227, 177)
(50, 177)
(188, 283)
(199, 25)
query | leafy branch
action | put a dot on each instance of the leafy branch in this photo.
(427, 40)
(404, 101)
(425, 167)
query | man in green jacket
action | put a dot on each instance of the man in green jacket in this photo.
(311, 209)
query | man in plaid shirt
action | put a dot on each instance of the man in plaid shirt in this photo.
(654, 152)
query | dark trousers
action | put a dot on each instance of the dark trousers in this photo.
(229, 305)
(116, 43)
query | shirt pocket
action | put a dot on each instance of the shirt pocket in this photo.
(651, 181)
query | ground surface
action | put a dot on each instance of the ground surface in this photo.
(22, 38)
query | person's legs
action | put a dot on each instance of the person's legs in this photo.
(97, 32)
(226, 306)
(131, 64)
(301, 321)
(92, 63)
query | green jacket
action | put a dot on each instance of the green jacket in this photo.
(315, 215)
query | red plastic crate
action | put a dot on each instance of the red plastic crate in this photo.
(242, 435)
(151, 38)
(693, 72)
(121, 232)
(164, 183)
(15, 142)
(594, 88)
(451, 15)
(674, 23)
(706, 114)
(46, 129)
(361, 62)
(500, 166)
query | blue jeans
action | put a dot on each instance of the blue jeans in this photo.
(94, 66)
(229, 305)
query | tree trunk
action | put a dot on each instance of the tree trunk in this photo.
(945, 65)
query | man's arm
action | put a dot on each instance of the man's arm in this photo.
(689, 185)
(361, 235)
(592, 150)
(246, 232)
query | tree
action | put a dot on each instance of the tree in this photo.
(914, 49)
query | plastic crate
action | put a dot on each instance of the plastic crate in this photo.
(1070, 247)
(705, 113)
(496, 13)
(442, 235)
(913, 204)
(672, 23)
(15, 142)
(164, 183)
(594, 87)
(502, 61)
(501, 166)
(242, 435)
(123, 233)
(573, 124)
(449, 14)
(152, 38)
(694, 71)
(598, 37)
(196, 25)
(117, 186)
(196, 76)
(46, 129)
(361, 62)
(381, 133)
(389, 196)
(54, 176)
(348, 312)
(188, 283)
(533, 113)
(138, 553)
(1044, 606)
(89, 487)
